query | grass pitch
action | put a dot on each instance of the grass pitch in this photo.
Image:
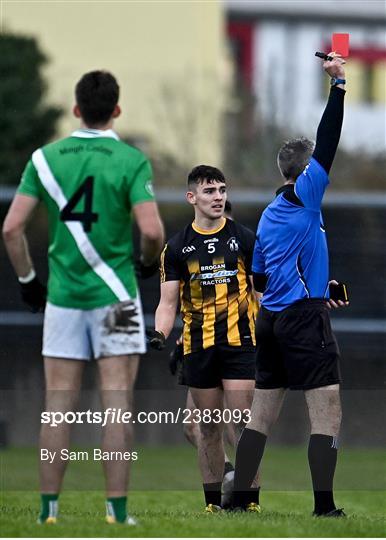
(177, 512)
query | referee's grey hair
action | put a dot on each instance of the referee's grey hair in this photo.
(294, 156)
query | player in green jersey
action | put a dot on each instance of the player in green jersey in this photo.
(91, 184)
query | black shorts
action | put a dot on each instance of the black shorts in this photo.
(296, 347)
(207, 367)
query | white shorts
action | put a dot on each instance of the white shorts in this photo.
(82, 334)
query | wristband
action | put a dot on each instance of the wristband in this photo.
(29, 277)
(334, 81)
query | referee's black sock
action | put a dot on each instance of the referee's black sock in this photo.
(322, 457)
(212, 493)
(248, 457)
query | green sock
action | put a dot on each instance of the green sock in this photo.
(116, 507)
(49, 506)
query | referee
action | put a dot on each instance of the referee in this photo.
(296, 348)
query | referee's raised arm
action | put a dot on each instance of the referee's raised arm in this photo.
(330, 125)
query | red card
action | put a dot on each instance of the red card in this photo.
(340, 44)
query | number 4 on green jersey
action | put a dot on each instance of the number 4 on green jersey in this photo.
(87, 217)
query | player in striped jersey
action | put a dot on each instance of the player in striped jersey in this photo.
(208, 267)
(192, 429)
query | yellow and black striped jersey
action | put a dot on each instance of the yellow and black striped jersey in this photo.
(213, 267)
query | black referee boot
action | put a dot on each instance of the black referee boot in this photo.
(337, 513)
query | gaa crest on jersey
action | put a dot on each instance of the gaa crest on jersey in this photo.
(232, 243)
(149, 188)
(188, 249)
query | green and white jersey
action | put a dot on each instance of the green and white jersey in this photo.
(89, 183)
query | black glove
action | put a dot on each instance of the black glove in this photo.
(145, 272)
(156, 339)
(34, 294)
(175, 358)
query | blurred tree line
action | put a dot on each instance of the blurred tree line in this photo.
(249, 145)
(26, 122)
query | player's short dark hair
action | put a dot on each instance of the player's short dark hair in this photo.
(228, 207)
(203, 173)
(97, 94)
(294, 156)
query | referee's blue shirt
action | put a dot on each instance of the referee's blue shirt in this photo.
(291, 246)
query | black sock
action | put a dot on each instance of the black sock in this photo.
(228, 467)
(212, 493)
(241, 499)
(248, 457)
(322, 456)
(254, 495)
